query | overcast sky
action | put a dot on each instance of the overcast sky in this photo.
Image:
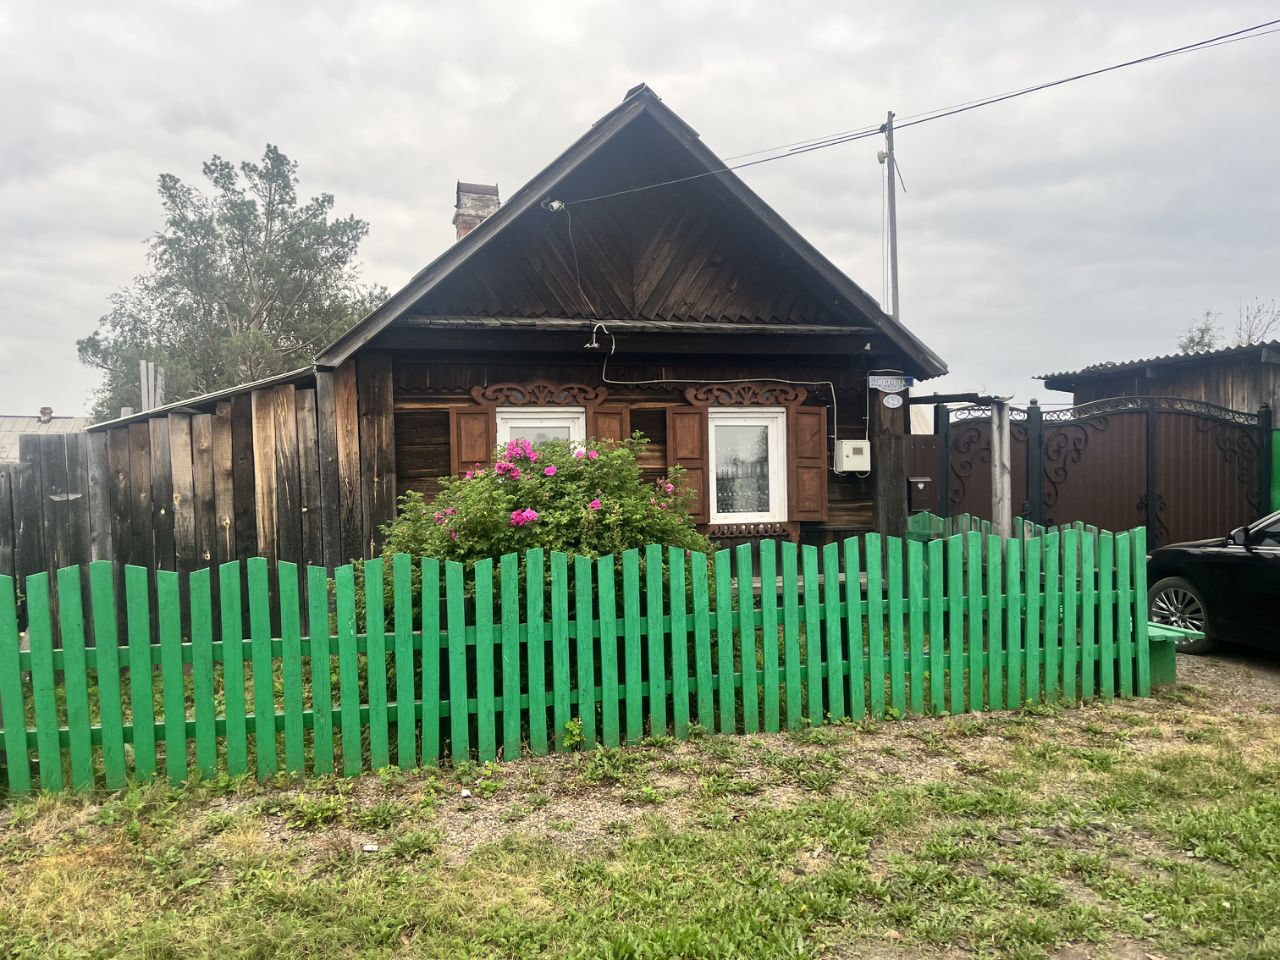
(1086, 223)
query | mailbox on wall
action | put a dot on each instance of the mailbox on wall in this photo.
(922, 495)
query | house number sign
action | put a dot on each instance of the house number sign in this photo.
(893, 400)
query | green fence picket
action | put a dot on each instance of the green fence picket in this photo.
(173, 694)
(231, 616)
(1106, 615)
(1070, 612)
(75, 677)
(915, 624)
(12, 701)
(1124, 613)
(375, 662)
(854, 645)
(1088, 617)
(1033, 637)
(655, 640)
(107, 647)
(769, 638)
(585, 642)
(937, 629)
(631, 645)
(702, 641)
(832, 631)
(535, 587)
(321, 666)
(203, 704)
(875, 624)
(1052, 616)
(295, 759)
(679, 643)
(1013, 625)
(812, 634)
(955, 622)
(142, 706)
(430, 568)
(610, 727)
(1141, 640)
(897, 660)
(348, 671)
(725, 693)
(486, 712)
(264, 702)
(43, 687)
(561, 681)
(790, 632)
(995, 601)
(406, 668)
(509, 585)
(747, 640)
(455, 606)
(974, 601)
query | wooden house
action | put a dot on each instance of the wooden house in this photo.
(632, 285)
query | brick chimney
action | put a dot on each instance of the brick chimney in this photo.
(475, 202)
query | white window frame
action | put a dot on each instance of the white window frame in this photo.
(775, 419)
(575, 418)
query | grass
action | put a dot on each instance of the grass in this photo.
(1131, 829)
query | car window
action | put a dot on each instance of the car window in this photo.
(1268, 536)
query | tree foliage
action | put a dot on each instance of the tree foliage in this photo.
(245, 281)
(1255, 322)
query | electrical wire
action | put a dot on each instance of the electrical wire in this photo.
(801, 147)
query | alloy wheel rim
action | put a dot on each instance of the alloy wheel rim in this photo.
(1178, 607)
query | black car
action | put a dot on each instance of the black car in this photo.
(1228, 587)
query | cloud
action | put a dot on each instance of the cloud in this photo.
(1086, 223)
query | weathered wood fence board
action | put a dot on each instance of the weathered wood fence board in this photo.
(488, 663)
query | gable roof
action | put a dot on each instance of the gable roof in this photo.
(1268, 351)
(13, 427)
(738, 262)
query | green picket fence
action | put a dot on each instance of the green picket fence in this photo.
(930, 526)
(489, 662)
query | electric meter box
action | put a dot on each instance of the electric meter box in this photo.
(853, 456)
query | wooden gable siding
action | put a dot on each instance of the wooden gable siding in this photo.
(681, 253)
(1238, 383)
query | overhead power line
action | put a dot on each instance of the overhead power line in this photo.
(800, 147)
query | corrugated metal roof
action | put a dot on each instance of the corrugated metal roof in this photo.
(1111, 366)
(12, 427)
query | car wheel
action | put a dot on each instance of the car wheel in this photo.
(1177, 602)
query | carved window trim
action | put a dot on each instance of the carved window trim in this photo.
(750, 393)
(539, 393)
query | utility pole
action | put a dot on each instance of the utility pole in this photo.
(887, 158)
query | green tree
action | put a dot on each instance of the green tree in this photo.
(1201, 335)
(245, 281)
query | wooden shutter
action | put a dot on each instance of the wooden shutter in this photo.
(807, 462)
(473, 436)
(687, 440)
(609, 421)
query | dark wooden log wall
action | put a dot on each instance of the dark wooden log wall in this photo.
(303, 472)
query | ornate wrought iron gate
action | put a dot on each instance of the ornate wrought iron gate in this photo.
(1184, 468)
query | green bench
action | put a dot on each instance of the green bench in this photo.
(1163, 640)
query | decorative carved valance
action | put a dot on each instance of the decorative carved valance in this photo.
(749, 394)
(539, 393)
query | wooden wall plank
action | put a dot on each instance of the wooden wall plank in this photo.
(309, 478)
(28, 525)
(55, 503)
(101, 513)
(206, 515)
(264, 473)
(121, 495)
(6, 521)
(182, 476)
(242, 474)
(330, 483)
(162, 527)
(224, 485)
(350, 490)
(377, 445)
(141, 520)
(287, 480)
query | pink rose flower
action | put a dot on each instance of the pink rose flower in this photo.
(530, 515)
(593, 454)
(549, 472)
(579, 454)
(670, 488)
(594, 504)
(453, 534)
(470, 474)
(515, 473)
(449, 512)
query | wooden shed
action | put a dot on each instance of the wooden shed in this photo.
(632, 285)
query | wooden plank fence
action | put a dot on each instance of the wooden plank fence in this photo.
(547, 652)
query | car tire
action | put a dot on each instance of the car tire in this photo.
(1178, 602)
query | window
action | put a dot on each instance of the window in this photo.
(1266, 535)
(541, 423)
(748, 465)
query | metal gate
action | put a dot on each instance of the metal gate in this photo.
(1183, 468)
